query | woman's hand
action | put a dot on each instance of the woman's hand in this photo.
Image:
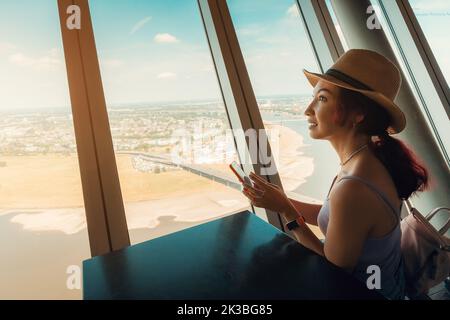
(266, 195)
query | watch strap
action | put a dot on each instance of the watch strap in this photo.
(294, 224)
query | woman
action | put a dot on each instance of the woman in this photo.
(353, 109)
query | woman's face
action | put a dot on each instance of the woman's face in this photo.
(322, 112)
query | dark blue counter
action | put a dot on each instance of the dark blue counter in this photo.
(237, 257)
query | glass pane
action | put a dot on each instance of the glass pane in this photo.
(415, 71)
(169, 127)
(276, 49)
(434, 19)
(337, 25)
(42, 218)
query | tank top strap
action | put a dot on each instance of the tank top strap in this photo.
(381, 194)
(332, 184)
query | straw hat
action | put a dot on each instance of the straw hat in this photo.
(371, 74)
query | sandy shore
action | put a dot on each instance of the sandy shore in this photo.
(53, 181)
(43, 204)
(293, 166)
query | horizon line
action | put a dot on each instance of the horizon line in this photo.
(134, 104)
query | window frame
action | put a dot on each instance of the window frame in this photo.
(237, 92)
(105, 213)
(322, 34)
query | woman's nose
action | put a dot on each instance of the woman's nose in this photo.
(308, 110)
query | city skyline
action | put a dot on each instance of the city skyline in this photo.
(133, 127)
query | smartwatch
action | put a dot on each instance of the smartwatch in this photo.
(294, 224)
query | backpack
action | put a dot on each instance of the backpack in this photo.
(425, 250)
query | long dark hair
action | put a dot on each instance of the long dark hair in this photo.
(407, 172)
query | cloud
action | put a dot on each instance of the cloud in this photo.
(255, 59)
(274, 39)
(138, 26)
(286, 54)
(165, 38)
(293, 11)
(6, 46)
(21, 60)
(167, 75)
(252, 30)
(111, 63)
(207, 68)
(50, 61)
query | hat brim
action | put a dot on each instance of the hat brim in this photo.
(398, 120)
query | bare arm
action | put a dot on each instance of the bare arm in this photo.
(347, 228)
(304, 234)
(309, 211)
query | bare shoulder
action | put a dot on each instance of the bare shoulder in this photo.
(375, 172)
(355, 208)
(348, 226)
(357, 200)
(349, 196)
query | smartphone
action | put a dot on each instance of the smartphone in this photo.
(243, 178)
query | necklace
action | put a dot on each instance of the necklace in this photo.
(353, 154)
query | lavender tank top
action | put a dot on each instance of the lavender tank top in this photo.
(384, 252)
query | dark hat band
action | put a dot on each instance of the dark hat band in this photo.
(347, 79)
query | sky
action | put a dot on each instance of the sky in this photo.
(157, 50)
(434, 19)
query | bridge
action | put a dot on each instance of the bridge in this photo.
(208, 173)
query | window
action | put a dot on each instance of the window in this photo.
(276, 49)
(434, 19)
(42, 219)
(168, 121)
(430, 95)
